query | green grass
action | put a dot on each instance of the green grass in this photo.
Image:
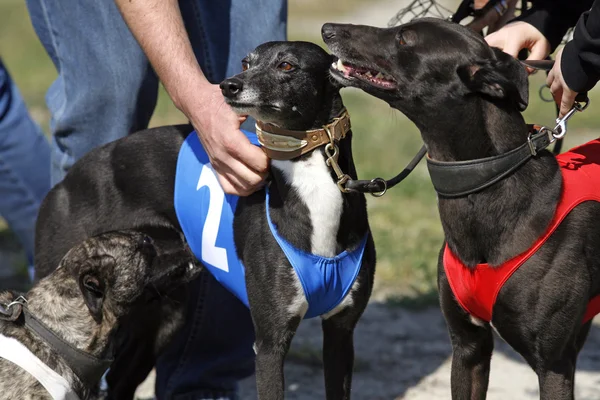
(405, 221)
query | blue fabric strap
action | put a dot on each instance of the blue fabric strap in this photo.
(326, 281)
(206, 216)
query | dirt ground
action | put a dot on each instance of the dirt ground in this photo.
(402, 354)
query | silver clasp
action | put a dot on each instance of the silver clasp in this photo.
(7, 314)
(560, 130)
(19, 300)
(331, 150)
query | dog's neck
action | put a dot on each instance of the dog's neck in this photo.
(505, 219)
(306, 204)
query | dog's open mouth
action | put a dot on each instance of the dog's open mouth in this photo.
(373, 77)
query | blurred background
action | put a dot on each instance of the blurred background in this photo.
(405, 221)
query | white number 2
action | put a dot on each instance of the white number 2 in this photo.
(215, 256)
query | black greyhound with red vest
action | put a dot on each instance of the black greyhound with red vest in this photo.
(466, 98)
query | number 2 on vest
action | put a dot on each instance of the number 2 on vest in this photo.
(213, 255)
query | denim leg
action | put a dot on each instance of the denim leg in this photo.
(105, 88)
(214, 349)
(24, 164)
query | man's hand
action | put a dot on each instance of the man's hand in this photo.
(240, 166)
(520, 35)
(563, 95)
(158, 27)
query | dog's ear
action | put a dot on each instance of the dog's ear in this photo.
(93, 289)
(500, 78)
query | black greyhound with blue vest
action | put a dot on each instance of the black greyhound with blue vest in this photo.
(501, 196)
(302, 214)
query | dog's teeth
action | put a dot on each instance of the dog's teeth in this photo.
(369, 74)
(340, 65)
(190, 266)
(379, 75)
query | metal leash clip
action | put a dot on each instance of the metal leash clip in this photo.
(7, 312)
(332, 152)
(560, 130)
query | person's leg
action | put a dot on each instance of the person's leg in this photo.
(214, 350)
(24, 164)
(105, 88)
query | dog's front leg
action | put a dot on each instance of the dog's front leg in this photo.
(557, 382)
(338, 353)
(273, 340)
(557, 378)
(471, 356)
(472, 347)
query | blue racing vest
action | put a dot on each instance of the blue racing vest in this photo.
(206, 215)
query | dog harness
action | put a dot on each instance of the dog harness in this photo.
(15, 352)
(476, 288)
(206, 215)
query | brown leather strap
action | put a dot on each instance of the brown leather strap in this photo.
(284, 144)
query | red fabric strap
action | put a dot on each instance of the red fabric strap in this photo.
(476, 288)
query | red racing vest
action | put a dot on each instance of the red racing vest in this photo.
(476, 288)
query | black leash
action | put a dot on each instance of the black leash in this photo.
(378, 186)
(88, 368)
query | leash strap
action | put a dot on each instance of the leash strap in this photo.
(88, 369)
(461, 178)
(378, 186)
(283, 144)
(15, 352)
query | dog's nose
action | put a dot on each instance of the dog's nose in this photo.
(231, 87)
(328, 31)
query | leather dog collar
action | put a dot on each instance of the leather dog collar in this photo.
(461, 178)
(86, 367)
(285, 144)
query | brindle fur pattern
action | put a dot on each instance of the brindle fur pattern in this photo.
(128, 266)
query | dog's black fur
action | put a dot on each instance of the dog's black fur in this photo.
(466, 98)
(129, 184)
(83, 302)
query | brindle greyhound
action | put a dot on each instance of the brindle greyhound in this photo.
(61, 334)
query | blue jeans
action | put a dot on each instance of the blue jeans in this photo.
(106, 89)
(24, 164)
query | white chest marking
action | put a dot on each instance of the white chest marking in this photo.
(312, 181)
(311, 178)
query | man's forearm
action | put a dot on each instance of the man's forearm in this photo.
(158, 27)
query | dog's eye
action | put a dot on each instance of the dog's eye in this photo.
(93, 285)
(401, 40)
(285, 66)
(245, 65)
(147, 246)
